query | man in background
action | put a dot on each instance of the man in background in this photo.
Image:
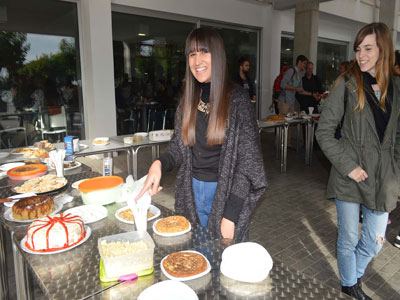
(311, 84)
(243, 79)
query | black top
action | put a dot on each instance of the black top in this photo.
(312, 85)
(246, 84)
(381, 117)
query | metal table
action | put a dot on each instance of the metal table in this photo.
(11, 228)
(281, 138)
(136, 146)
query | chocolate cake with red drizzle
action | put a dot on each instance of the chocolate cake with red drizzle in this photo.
(54, 233)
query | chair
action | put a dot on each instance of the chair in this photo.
(134, 118)
(10, 124)
(54, 124)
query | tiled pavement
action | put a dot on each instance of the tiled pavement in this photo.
(295, 223)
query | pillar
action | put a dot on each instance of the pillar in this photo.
(306, 30)
(388, 14)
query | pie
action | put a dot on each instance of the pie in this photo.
(42, 184)
(33, 207)
(184, 264)
(22, 150)
(27, 171)
(172, 224)
(127, 215)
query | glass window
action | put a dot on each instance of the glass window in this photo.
(40, 80)
(330, 54)
(149, 66)
(287, 45)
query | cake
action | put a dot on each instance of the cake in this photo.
(127, 215)
(172, 224)
(33, 207)
(27, 171)
(184, 264)
(54, 233)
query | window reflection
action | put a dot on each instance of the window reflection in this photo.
(39, 73)
(149, 65)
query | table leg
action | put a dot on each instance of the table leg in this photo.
(285, 143)
(135, 163)
(307, 144)
(129, 161)
(278, 142)
(312, 141)
(298, 134)
(22, 278)
(3, 266)
(153, 153)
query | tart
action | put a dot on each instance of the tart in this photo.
(41, 184)
(128, 215)
(27, 171)
(33, 207)
(184, 264)
(172, 224)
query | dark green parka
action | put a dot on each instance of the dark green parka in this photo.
(360, 146)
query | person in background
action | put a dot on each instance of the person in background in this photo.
(365, 160)
(243, 77)
(397, 73)
(344, 66)
(215, 145)
(312, 84)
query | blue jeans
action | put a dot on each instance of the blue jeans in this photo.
(354, 254)
(204, 193)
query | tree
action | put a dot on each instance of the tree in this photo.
(13, 50)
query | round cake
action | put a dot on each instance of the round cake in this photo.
(54, 233)
(33, 207)
(172, 224)
(184, 264)
(27, 171)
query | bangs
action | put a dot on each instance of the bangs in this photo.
(197, 42)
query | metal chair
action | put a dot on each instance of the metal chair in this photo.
(54, 124)
(10, 124)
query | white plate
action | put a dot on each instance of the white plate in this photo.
(105, 140)
(83, 146)
(8, 214)
(142, 134)
(4, 154)
(23, 247)
(306, 117)
(78, 164)
(22, 153)
(170, 234)
(190, 277)
(288, 118)
(9, 166)
(77, 183)
(168, 290)
(153, 209)
(89, 213)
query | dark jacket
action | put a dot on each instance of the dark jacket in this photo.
(360, 146)
(241, 168)
(239, 81)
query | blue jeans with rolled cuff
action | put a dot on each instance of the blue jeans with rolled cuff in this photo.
(354, 254)
(204, 193)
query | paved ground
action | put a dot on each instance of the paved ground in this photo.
(294, 222)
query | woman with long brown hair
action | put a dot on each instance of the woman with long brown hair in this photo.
(365, 159)
(215, 145)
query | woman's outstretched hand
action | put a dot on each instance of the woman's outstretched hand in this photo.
(227, 228)
(358, 174)
(152, 183)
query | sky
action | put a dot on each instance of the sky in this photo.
(42, 44)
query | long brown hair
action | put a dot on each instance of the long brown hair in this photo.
(207, 40)
(384, 66)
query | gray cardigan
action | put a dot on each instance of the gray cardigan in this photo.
(241, 168)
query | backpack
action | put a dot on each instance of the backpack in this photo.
(277, 82)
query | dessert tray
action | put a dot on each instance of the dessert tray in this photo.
(172, 233)
(41, 185)
(189, 277)
(153, 210)
(89, 213)
(23, 247)
(8, 213)
(101, 141)
(168, 290)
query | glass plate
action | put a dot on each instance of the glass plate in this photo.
(170, 234)
(8, 214)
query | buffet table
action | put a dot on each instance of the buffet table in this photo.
(74, 274)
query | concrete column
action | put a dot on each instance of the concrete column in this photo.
(306, 30)
(388, 14)
(95, 39)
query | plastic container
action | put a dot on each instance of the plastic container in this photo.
(132, 262)
(101, 190)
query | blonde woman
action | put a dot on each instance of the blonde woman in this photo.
(365, 160)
